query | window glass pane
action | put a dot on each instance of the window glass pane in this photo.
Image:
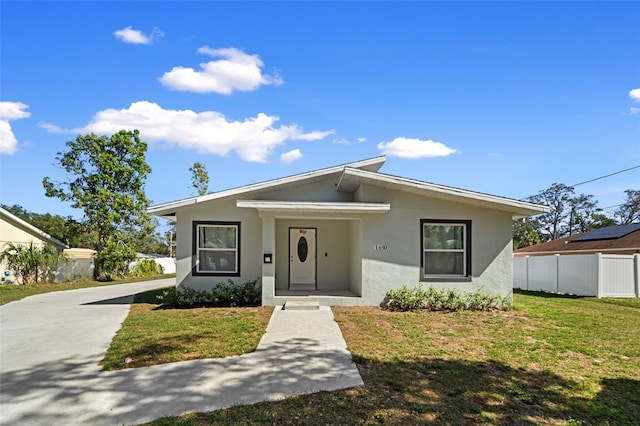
(217, 261)
(444, 263)
(217, 237)
(447, 237)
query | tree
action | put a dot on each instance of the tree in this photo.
(568, 214)
(105, 178)
(584, 214)
(199, 178)
(27, 261)
(152, 242)
(65, 229)
(525, 233)
(629, 211)
(557, 197)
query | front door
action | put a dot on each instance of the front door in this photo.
(302, 256)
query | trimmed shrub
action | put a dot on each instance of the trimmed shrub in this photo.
(432, 299)
(223, 294)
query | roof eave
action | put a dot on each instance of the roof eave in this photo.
(518, 208)
(170, 208)
(315, 207)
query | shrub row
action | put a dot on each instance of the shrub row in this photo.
(146, 268)
(432, 299)
(223, 294)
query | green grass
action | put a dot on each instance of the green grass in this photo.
(552, 360)
(152, 335)
(13, 292)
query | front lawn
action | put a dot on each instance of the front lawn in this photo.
(153, 335)
(552, 360)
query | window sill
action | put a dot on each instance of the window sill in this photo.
(446, 279)
(215, 274)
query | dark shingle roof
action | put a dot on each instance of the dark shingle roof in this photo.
(629, 241)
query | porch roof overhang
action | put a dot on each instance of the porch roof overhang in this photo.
(315, 207)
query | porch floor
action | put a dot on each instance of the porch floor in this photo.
(315, 293)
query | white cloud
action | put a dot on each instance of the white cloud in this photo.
(415, 148)
(341, 141)
(291, 156)
(10, 111)
(634, 110)
(635, 95)
(129, 35)
(362, 139)
(208, 132)
(233, 70)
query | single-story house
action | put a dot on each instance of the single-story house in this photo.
(619, 239)
(18, 232)
(345, 235)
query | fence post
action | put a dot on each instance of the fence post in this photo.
(599, 274)
(636, 273)
(557, 273)
(526, 274)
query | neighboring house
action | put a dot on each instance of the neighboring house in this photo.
(600, 263)
(620, 239)
(345, 235)
(17, 231)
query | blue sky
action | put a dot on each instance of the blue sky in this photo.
(504, 98)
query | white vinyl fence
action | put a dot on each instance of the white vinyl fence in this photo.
(168, 264)
(599, 275)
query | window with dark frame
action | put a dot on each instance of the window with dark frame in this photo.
(216, 248)
(446, 248)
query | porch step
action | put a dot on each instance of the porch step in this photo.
(301, 306)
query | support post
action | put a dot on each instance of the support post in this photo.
(269, 269)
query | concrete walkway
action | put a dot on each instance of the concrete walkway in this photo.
(51, 344)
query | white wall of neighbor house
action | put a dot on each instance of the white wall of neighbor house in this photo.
(10, 233)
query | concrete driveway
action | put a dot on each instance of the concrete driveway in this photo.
(51, 344)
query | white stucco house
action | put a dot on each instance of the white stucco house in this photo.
(345, 235)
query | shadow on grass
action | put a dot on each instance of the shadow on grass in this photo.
(549, 294)
(459, 392)
(437, 391)
(150, 296)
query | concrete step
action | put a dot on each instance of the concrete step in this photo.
(301, 306)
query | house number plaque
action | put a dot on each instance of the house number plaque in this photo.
(379, 247)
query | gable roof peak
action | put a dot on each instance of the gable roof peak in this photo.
(168, 209)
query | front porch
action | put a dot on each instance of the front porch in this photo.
(328, 297)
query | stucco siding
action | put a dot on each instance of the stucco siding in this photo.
(250, 243)
(319, 190)
(367, 254)
(392, 247)
(10, 233)
(355, 267)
